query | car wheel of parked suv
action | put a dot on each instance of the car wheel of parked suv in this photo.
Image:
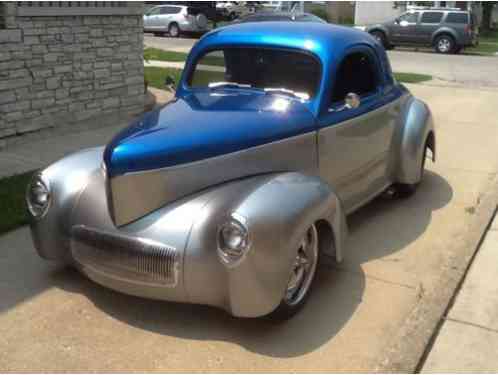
(381, 38)
(444, 44)
(174, 30)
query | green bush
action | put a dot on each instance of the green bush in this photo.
(320, 12)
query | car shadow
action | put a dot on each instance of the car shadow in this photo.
(337, 293)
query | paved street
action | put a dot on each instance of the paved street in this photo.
(464, 69)
(376, 311)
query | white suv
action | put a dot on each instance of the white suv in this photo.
(174, 19)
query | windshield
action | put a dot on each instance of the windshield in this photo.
(273, 70)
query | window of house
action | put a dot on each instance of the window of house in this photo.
(457, 18)
(356, 74)
(431, 17)
(411, 17)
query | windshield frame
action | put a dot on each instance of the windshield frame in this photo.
(188, 75)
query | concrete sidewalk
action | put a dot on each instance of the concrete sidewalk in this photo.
(468, 338)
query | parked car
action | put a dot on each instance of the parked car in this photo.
(447, 30)
(174, 20)
(231, 10)
(280, 16)
(233, 193)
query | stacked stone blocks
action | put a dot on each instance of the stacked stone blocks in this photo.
(61, 70)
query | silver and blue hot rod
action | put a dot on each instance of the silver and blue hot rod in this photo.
(232, 193)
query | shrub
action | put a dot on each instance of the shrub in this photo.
(320, 12)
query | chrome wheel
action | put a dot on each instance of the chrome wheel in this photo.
(174, 31)
(444, 45)
(303, 269)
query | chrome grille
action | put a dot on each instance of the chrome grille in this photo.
(135, 259)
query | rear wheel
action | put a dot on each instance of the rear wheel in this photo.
(406, 190)
(301, 277)
(381, 38)
(174, 30)
(444, 44)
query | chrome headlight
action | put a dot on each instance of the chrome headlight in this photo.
(38, 197)
(233, 239)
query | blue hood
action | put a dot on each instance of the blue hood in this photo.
(204, 125)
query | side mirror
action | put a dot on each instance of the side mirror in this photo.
(352, 101)
(170, 84)
(396, 21)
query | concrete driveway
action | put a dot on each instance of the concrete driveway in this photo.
(374, 312)
(476, 71)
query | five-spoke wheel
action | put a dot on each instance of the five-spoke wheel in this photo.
(301, 277)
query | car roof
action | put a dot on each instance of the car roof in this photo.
(323, 39)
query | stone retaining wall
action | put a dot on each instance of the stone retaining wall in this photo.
(56, 71)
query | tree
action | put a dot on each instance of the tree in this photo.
(487, 12)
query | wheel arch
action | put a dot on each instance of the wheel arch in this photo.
(444, 31)
(417, 131)
(278, 209)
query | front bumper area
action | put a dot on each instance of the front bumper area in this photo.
(127, 258)
(130, 265)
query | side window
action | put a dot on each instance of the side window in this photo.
(356, 74)
(461, 18)
(166, 10)
(154, 12)
(202, 77)
(411, 17)
(431, 17)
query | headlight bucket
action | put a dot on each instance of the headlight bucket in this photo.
(233, 240)
(38, 196)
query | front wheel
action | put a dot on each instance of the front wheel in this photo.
(301, 277)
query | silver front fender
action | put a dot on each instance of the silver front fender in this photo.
(279, 209)
(67, 179)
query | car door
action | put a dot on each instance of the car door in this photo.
(354, 143)
(403, 29)
(429, 23)
(165, 17)
(151, 19)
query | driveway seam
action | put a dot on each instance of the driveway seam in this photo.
(471, 324)
(376, 278)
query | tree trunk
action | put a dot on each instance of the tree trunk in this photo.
(487, 11)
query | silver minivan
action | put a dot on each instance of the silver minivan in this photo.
(174, 20)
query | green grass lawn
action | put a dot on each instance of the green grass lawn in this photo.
(156, 76)
(161, 55)
(412, 77)
(13, 212)
(488, 44)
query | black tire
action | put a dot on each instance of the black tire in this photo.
(407, 190)
(444, 44)
(381, 38)
(174, 30)
(299, 287)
